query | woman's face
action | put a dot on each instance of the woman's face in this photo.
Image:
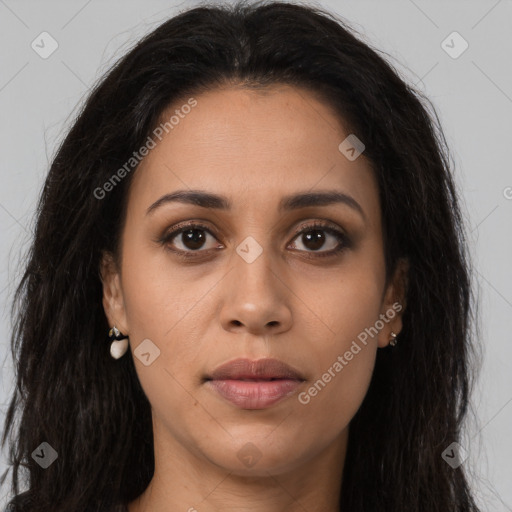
(256, 280)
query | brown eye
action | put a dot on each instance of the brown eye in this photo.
(190, 238)
(193, 238)
(314, 239)
(321, 238)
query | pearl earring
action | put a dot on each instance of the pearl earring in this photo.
(119, 343)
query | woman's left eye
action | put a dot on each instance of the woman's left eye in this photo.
(313, 238)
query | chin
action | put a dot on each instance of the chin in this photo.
(258, 455)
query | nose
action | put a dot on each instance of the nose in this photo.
(256, 296)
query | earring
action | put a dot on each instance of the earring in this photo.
(119, 343)
(393, 341)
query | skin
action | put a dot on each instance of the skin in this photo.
(253, 147)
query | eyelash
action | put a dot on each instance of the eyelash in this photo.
(343, 240)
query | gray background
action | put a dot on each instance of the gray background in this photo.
(472, 93)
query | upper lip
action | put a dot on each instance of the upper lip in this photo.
(262, 368)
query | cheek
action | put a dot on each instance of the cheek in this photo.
(336, 306)
(165, 310)
(158, 295)
(344, 359)
(343, 362)
(171, 306)
(332, 399)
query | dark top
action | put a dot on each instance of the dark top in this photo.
(11, 508)
(21, 503)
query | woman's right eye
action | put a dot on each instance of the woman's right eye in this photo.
(187, 239)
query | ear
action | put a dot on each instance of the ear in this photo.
(394, 303)
(113, 301)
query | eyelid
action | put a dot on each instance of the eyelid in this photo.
(323, 223)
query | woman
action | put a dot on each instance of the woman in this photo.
(248, 287)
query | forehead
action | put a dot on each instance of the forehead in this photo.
(255, 146)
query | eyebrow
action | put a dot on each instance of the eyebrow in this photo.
(288, 203)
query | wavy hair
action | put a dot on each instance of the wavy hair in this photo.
(91, 408)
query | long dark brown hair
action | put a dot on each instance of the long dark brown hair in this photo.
(91, 408)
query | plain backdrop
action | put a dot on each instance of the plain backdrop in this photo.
(471, 90)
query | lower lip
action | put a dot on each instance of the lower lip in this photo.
(254, 394)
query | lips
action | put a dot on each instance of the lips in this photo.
(254, 384)
(262, 369)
